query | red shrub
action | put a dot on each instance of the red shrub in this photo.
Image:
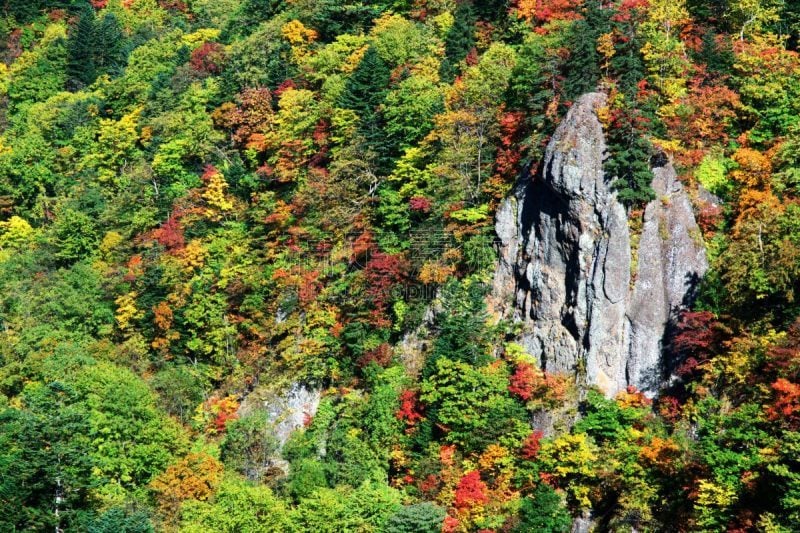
(450, 524)
(383, 272)
(784, 359)
(530, 448)
(523, 381)
(709, 218)
(420, 204)
(787, 402)
(471, 491)
(700, 336)
(430, 485)
(670, 408)
(410, 411)
(381, 356)
(208, 58)
(170, 234)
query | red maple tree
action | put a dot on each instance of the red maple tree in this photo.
(471, 491)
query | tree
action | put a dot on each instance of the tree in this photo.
(109, 46)
(237, 507)
(544, 11)
(583, 66)
(118, 520)
(45, 455)
(248, 448)
(365, 508)
(426, 517)
(410, 108)
(460, 39)
(195, 477)
(629, 159)
(473, 406)
(467, 130)
(759, 265)
(463, 335)
(333, 17)
(471, 491)
(39, 73)
(544, 511)
(570, 460)
(365, 92)
(250, 14)
(400, 41)
(606, 420)
(73, 235)
(750, 16)
(81, 46)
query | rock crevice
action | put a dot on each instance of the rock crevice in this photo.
(566, 269)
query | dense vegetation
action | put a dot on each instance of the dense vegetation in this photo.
(202, 199)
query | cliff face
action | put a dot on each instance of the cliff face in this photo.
(590, 303)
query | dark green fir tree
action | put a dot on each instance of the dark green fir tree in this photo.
(460, 39)
(80, 48)
(582, 69)
(109, 46)
(364, 93)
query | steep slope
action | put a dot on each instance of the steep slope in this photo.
(590, 301)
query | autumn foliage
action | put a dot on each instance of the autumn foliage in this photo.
(209, 58)
(471, 491)
(257, 238)
(195, 477)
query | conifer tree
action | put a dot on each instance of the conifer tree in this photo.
(628, 63)
(790, 17)
(460, 39)
(365, 89)
(250, 14)
(583, 65)
(491, 10)
(22, 10)
(80, 47)
(364, 93)
(629, 159)
(108, 46)
(717, 57)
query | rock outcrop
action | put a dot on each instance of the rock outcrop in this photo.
(286, 410)
(592, 301)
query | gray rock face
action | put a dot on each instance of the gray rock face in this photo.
(287, 411)
(589, 303)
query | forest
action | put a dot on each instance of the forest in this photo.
(206, 203)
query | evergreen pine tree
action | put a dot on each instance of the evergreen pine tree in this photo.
(334, 17)
(717, 57)
(425, 517)
(460, 39)
(491, 10)
(366, 88)
(23, 10)
(109, 50)
(80, 48)
(582, 69)
(364, 93)
(249, 15)
(628, 63)
(463, 334)
(629, 158)
(544, 512)
(790, 21)
(708, 11)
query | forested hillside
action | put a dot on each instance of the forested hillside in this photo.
(205, 204)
